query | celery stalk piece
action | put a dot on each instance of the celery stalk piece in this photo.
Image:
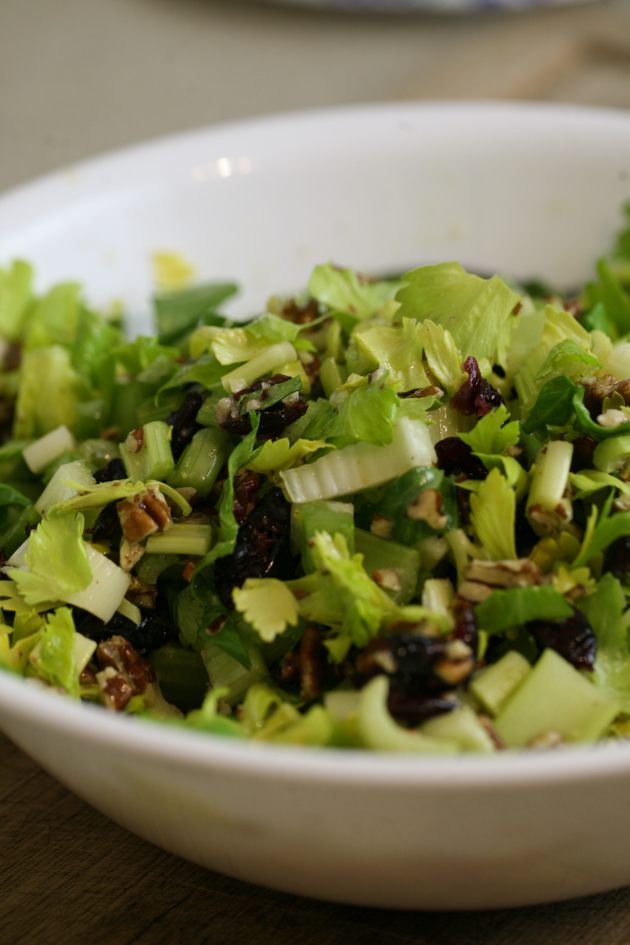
(361, 465)
(153, 459)
(394, 567)
(264, 363)
(613, 454)
(330, 376)
(378, 730)
(495, 684)
(201, 461)
(181, 539)
(181, 675)
(226, 671)
(462, 727)
(59, 488)
(105, 592)
(130, 611)
(47, 448)
(332, 517)
(547, 508)
(555, 698)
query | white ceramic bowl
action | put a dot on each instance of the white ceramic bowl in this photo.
(523, 189)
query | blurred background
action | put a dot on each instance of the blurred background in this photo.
(81, 76)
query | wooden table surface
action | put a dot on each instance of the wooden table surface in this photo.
(80, 76)
(69, 876)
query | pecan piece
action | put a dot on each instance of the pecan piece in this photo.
(143, 514)
(124, 673)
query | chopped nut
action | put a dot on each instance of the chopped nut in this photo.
(486, 722)
(387, 578)
(130, 554)
(135, 440)
(143, 514)
(124, 673)
(312, 663)
(612, 418)
(157, 507)
(136, 524)
(550, 739)
(427, 507)
(453, 670)
(141, 594)
(381, 526)
(521, 572)
(187, 571)
(474, 591)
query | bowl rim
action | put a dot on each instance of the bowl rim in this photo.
(30, 702)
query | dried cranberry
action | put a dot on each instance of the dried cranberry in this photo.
(152, 632)
(415, 708)
(617, 558)
(465, 623)
(245, 485)
(106, 528)
(273, 419)
(114, 469)
(262, 547)
(476, 397)
(583, 449)
(184, 421)
(454, 456)
(572, 638)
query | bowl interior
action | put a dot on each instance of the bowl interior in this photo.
(524, 190)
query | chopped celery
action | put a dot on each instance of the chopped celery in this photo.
(362, 465)
(312, 517)
(548, 510)
(201, 461)
(47, 448)
(555, 698)
(186, 539)
(496, 683)
(149, 456)
(394, 567)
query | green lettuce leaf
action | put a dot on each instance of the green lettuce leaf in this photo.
(177, 313)
(49, 392)
(474, 310)
(400, 506)
(399, 349)
(493, 516)
(366, 415)
(228, 526)
(342, 290)
(519, 605)
(567, 359)
(493, 434)
(54, 656)
(358, 604)
(610, 293)
(605, 611)
(267, 605)
(15, 298)
(57, 562)
(553, 406)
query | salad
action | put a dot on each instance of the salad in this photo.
(387, 514)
